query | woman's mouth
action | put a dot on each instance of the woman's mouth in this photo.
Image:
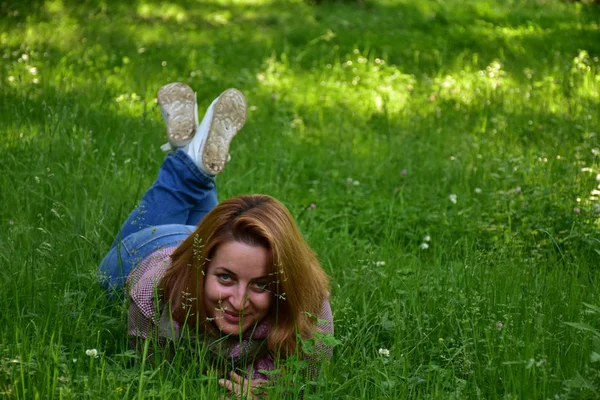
(232, 318)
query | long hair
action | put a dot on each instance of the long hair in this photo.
(299, 283)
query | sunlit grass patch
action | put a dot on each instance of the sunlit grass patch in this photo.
(165, 11)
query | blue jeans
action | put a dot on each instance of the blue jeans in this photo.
(167, 214)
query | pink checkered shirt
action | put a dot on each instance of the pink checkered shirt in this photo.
(145, 320)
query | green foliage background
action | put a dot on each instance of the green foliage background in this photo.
(378, 123)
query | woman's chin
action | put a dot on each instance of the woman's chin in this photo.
(230, 328)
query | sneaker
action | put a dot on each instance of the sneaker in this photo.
(177, 102)
(209, 147)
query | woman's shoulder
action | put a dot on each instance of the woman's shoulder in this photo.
(153, 263)
(143, 280)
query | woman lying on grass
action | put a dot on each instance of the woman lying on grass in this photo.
(237, 276)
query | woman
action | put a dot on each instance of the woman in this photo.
(236, 276)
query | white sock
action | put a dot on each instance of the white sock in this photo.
(195, 147)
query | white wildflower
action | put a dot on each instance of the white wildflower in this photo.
(384, 352)
(427, 238)
(379, 263)
(91, 353)
(453, 198)
(478, 190)
(33, 71)
(424, 246)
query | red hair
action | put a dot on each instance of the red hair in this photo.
(300, 285)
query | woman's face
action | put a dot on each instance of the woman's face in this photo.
(236, 286)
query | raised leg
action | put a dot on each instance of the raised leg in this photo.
(181, 187)
(181, 193)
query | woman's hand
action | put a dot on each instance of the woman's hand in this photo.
(243, 388)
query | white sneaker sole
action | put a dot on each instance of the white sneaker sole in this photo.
(178, 104)
(229, 116)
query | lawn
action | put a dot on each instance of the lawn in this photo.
(441, 157)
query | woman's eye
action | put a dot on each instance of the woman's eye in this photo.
(261, 285)
(224, 277)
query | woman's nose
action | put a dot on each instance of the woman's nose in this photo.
(239, 298)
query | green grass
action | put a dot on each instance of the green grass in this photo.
(375, 113)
